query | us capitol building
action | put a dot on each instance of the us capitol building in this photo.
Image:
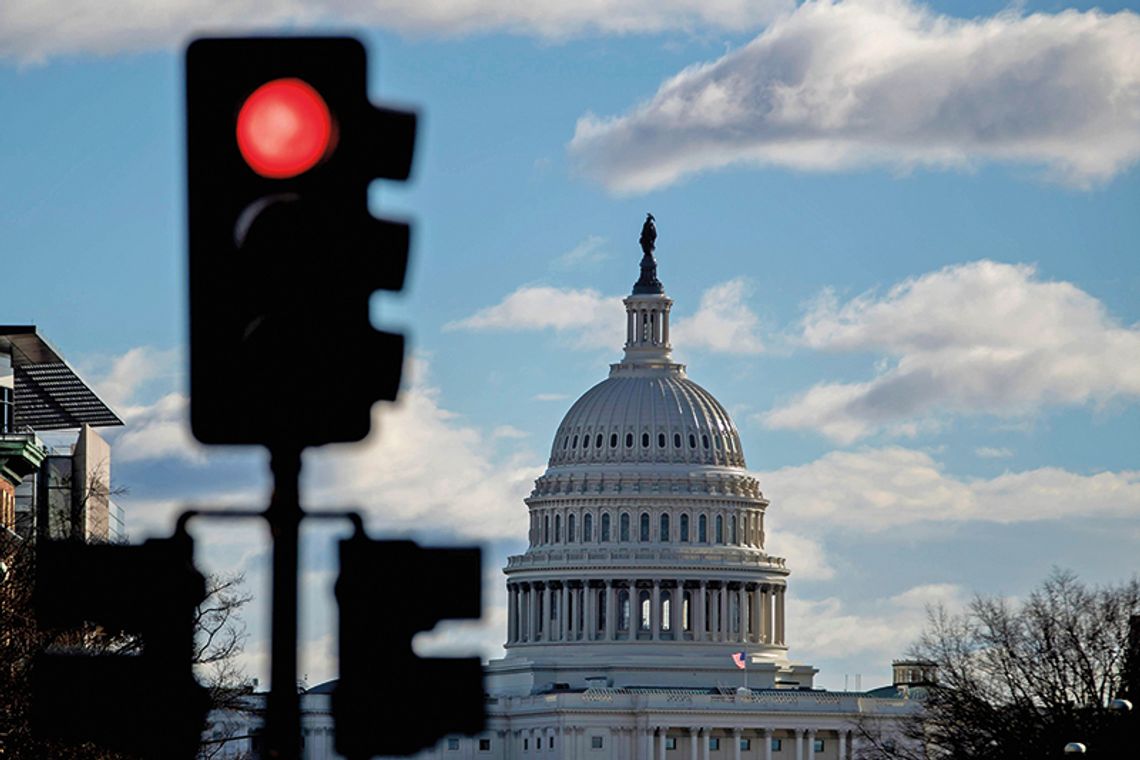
(646, 572)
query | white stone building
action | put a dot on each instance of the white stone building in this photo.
(645, 573)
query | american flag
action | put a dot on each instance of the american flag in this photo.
(738, 658)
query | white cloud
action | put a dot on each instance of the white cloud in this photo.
(158, 431)
(423, 469)
(884, 628)
(586, 317)
(723, 322)
(592, 250)
(33, 30)
(807, 556)
(835, 85)
(124, 377)
(982, 337)
(551, 396)
(991, 452)
(876, 489)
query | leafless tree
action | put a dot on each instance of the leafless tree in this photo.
(1023, 679)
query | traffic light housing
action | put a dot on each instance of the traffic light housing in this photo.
(282, 144)
(145, 700)
(388, 700)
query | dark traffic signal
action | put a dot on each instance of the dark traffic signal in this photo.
(138, 602)
(283, 143)
(388, 700)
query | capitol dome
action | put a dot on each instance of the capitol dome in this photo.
(646, 562)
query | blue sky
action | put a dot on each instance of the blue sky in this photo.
(902, 246)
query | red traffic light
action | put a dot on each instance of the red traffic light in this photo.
(284, 129)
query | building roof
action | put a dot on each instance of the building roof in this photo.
(49, 394)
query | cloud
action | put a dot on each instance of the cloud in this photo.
(551, 396)
(423, 469)
(990, 452)
(806, 555)
(723, 323)
(589, 251)
(884, 628)
(33, 30)
(876, 489)
(836, 85)
(586, 317)
(982, 337)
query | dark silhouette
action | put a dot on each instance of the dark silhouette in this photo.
(648, 284)
(648, 235)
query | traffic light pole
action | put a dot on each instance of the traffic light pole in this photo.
(283, 722)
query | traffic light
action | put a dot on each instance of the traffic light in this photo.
(138, 600)
(282, 144)
(388, 700)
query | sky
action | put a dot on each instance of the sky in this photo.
(901, 239)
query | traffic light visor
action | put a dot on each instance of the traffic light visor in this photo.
(284, 128)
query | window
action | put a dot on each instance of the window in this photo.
(684, 529)
(705, 440)
(643, 534)
(613, 440)
(686, 620)
(817, 745)
(670, 742)
(526, 744)
(598, 441)
(596, 742)
(546, 529)
(719, 529)
(570, 529)
(588, 527)
(777, 745)
(575, 442)
(676, 440)
(703, 529)
(452, 744)
(623, 610)
(660, 440)
(586, 441)
(550, 742)
(714, 743)
(666, 622)
(558, 529)
(484, 745)
(605, 526)
(692, 441)
(745, 745)
(644, 605)
(645, 440)
(732, 529)
(624, 526)
(663, 534)
(601, 608)
(629, 440)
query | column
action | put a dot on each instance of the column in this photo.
(663, 734)
(665, 326)
(736, 744)
(590, 616)
(724, 626)
(512, 614)
(767, 733)
(567, 743)
(856, 743)
(742, 613)
(532, 614)
(698, 612)
(563, 618)
(799, 744)
(576, 607)
(705, 743)
(757, 636)
(546, 617)
(766, 613)
(780, 614)
(694, 735)
(842, 744)
(610, 627)
(655, 611)
(811, 742)
(676, 608)
(645, 750)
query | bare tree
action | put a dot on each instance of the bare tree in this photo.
(1021, 680)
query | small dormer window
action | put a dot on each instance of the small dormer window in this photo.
(645, 440)
(613, 440)
(660, 440)
(598, 441)
(586, 441)
(629, 440)
(692, 441)
(676, 440)
(705, 440)
(575, 443)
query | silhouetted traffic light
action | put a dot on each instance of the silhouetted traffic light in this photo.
(284, 254)
(135, 601)
(388, 700)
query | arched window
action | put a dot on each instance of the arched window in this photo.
(575, 442)
(663, 533)
(570, 529)
(719, 529)
(629, 440)
(645, 606)
(613, 440)
(703, 529)
(605, 526)
(558, 529)
(598, 441)
(732, 529)
(676, 440)
(546, 529)
(624, 536)
(666, 621)
(643, 534)
(587, 527)
(645, 440)
(705, 440)
(565, 443)
(692, 441)
(623, 610)
(684, 529)
(660, 440)
(586, 441)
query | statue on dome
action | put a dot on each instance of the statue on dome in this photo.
(648, 236)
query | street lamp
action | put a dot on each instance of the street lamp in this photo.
(1075, 748)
